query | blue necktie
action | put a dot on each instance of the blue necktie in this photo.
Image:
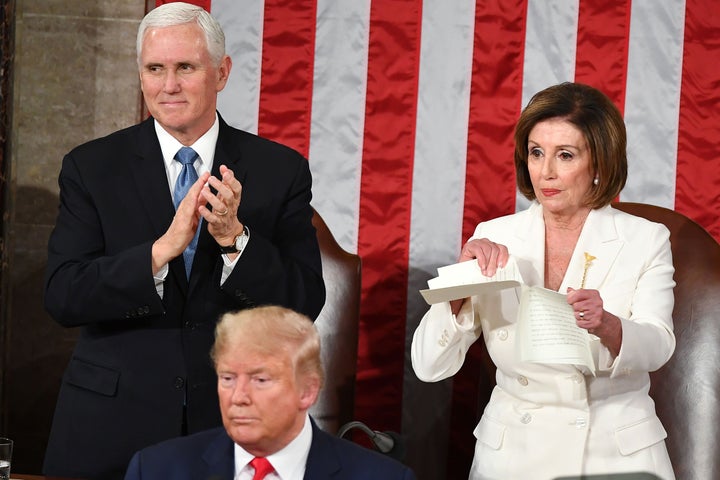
(188, 176)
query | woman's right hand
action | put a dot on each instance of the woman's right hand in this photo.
(490, 256)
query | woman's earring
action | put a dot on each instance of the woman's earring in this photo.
(596, 181)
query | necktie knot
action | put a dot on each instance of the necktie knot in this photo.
(188, 175)
(262, 467)
(186, 156)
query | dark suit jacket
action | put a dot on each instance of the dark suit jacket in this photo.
(141, 360)
(210, 455)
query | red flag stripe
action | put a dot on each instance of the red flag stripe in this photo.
(495, 101)
(602, 47)
(287, 73)
(385, 200)
(697, 193)
(200, 3)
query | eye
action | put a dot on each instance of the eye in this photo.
(226, 381)
(261, 380)
(535, 152)
(565, 155)
(185, 67)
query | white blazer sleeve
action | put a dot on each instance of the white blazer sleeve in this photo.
(441, 341)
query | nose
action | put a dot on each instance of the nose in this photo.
(548, 167)
(171, 83)
(240, 394)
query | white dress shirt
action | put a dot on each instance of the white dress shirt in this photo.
(205, 148)
(289, 463)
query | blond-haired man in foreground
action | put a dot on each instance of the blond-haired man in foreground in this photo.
(269, 374)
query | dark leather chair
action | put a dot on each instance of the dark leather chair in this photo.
(338, 324)
(687, 389)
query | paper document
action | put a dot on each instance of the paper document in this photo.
(547, 332)
(464, 279)
(546, 328)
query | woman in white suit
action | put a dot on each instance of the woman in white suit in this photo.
(543, 420)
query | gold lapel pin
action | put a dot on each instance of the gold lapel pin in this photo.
(588, 260)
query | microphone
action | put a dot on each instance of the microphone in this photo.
(388, 443)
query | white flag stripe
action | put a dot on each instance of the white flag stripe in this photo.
(243, 25)
(441, 135)
(550, 41)
(338, 114)
(652, 101)
(445, 70)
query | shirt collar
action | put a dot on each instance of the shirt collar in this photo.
(289, 462)
(204, 146)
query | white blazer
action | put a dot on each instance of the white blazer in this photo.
(545, 421)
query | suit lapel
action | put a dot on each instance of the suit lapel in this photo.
(219, 457)
(530, 227)
(599, 238)
(227, 153)
(148, 172)
(322, 462)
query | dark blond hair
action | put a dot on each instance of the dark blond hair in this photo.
(272, 330)
(601, 124)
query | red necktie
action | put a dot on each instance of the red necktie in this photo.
(262, 467)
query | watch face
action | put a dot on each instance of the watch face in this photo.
(239, 244)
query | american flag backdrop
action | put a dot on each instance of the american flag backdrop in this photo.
(405, 110)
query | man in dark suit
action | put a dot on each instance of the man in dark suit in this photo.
(269, 372)
(140, 372)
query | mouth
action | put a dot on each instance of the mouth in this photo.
(242, 420)
(549, 192)
(172, 103)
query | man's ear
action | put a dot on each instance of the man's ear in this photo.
(223, 73)
(310, 392)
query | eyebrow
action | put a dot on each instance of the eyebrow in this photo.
(566, 146)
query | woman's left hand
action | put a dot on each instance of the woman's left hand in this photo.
(590, 315)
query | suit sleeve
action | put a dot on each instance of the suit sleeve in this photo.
(648, 340)
(133, 471)
(86, 279)
(442, 340)
(282, 265)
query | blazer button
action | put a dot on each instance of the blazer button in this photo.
(522, 380)
(179, 382)
(502, 334)
(526, 418)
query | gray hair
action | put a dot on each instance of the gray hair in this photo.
(180, 13)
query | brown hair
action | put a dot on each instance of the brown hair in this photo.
(600, 122)
(272, 330)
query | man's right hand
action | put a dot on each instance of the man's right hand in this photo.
(182, 229)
